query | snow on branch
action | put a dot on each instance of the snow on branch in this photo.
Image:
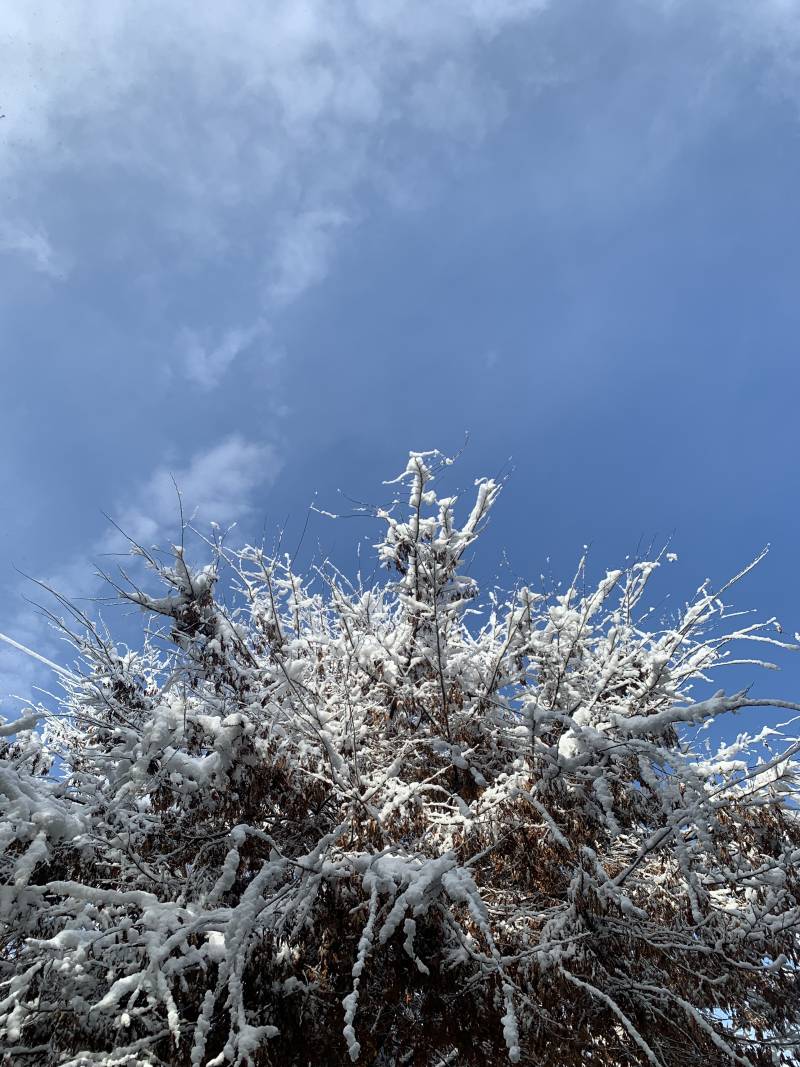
(308, 822)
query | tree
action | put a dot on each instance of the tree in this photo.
(392, 825)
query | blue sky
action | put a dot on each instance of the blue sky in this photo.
(269, 248)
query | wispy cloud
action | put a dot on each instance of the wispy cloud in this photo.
(255, 129)
(206, 364)
(33, 245)
(217, 484)
(262, 131)
(302, 253)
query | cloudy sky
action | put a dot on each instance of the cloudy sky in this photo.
(268, 248)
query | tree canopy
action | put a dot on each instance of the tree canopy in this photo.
(307, 822)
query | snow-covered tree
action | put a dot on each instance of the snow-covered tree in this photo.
(399, 825)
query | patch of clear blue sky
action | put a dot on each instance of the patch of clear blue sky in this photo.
(600, 283)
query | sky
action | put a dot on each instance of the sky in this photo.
(267, 249)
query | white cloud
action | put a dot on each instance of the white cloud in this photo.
(206, 364)
(33, 245)
(223, 103)
(217, 484)
(302, 253)
(254, 128)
